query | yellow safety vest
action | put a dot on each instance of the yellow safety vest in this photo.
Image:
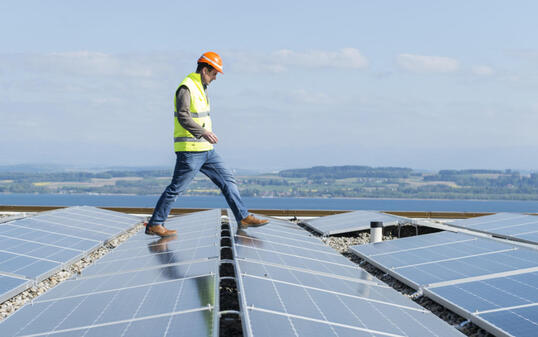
(183, 139)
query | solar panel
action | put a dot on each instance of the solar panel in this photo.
(420, 265)
(148, 288)
(11, 286)
(322, 259)
(39, 250)
(521, 322)
(350, 222)
(53, 227)
(109, 308)
(27, 267)
(38, 236)
(505, 306)
(492, 283)
(309, 291)
(350, 314)
(34, 248)
(513, 226)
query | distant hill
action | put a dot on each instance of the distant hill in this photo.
(58, 168)
(32, 168)
(347, 171)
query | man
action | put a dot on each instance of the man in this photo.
(193, 144)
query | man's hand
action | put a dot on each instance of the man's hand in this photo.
(210, 137)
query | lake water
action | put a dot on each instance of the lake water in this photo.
(424, 205)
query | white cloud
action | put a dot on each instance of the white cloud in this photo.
(96, 63)
(482, 70)
(282, 60)
(343, 58)
(423, 63)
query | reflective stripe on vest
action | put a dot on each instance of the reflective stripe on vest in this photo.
(199, 109)
(188, 139)
(194, 114)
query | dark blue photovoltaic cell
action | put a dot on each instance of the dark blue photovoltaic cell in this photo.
(350, 222)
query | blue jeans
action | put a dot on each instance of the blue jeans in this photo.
(187, 166)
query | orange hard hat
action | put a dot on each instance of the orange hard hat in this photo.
(213, 59)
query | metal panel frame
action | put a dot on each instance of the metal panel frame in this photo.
(245, 318)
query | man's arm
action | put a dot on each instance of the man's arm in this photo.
(183, 101)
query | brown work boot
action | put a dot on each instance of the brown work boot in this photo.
(160, 230)
(251, 221)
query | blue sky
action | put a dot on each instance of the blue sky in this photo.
(419, 84)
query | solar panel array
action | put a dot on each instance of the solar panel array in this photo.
(291, 284)
(147, 286)
(492, 283)
(513, 226)
(350, 222)
(34, 248)
(507, 305)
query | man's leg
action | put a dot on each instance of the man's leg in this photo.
(187, 165)
(219, 174)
